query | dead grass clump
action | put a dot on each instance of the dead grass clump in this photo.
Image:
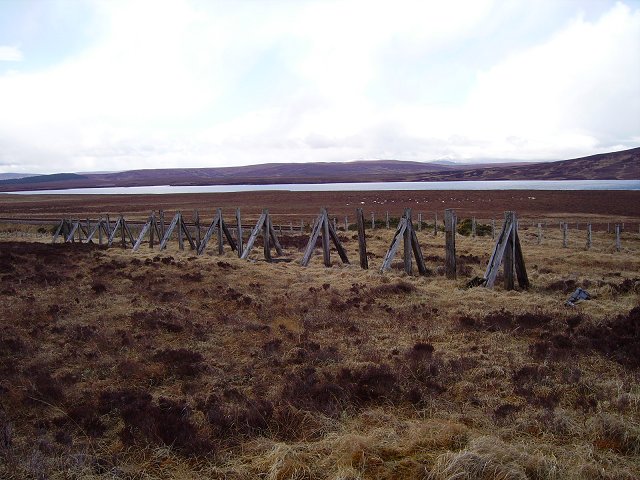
(488, 458)
(158, 318)
(611, 432)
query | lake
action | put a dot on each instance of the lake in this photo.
(337, 187)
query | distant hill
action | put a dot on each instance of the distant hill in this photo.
(623, 165)
(11, 176)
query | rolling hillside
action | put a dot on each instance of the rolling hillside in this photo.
(623, 165)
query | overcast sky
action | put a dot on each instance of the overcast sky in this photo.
(110, 85)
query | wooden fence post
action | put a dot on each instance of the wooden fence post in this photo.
(326, 253)
(588, 236)
(473, 226)
(618, 245)
(346, 224)
(493, 228)
(362, 241)
(373, 221)
(387, 219)
(435, 224)
(161, 223)
(509, 253)
(407, 243)
(419, 221)
(240, 242)
(450, 242)
(539, 233)
(564, 235)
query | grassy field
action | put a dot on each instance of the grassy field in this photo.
(154, 364)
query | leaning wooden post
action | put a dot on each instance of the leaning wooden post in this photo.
(618, 246)
(100, 231)
(220, 233)
(588, 236)
(509, 252)
(387, 219)
(326, 254)
(564, 235)
(450, 242)
(373, 221)
(362, 241)
(161, 223)
(196, 222)
(408, 267)
(239, 233)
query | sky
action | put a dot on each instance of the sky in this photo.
(106, 85)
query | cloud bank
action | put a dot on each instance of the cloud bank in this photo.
(184, 83)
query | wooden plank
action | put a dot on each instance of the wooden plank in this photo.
(187, 234)
(58, 230)
(180, 238)
(326, 253)
(92, 232)
(417, 253)
(227, 233)
(266, 236)
(336, 241)
(521, 269)
(72, 232)
(196, 222)
(152, 231)
(395, 244)
(208, 234)
(274, 238)
(509, 253)
(169, 231)
(450, 222)
(406, 240)
(143, 232)
(362, 240)
(239, 232)
(220, 234)
(497, 255)
(128, 230)
(254, 234)
(311, 245)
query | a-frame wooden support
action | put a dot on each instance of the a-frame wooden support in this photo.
(509, 252)
(264, 227)
(182, 229)
(125, 233)
(218, 226)
(99, 228)
(64, 227)
(406, 235)
(324, 226)
(150, 226)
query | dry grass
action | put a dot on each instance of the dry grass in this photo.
(164, 365)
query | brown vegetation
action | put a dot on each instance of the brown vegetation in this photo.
(166, 365)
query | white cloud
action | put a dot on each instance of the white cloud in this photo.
(10, 54)
(197, 84)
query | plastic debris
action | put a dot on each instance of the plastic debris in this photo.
(577, 296)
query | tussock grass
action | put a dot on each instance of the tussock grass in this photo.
(167, 365)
